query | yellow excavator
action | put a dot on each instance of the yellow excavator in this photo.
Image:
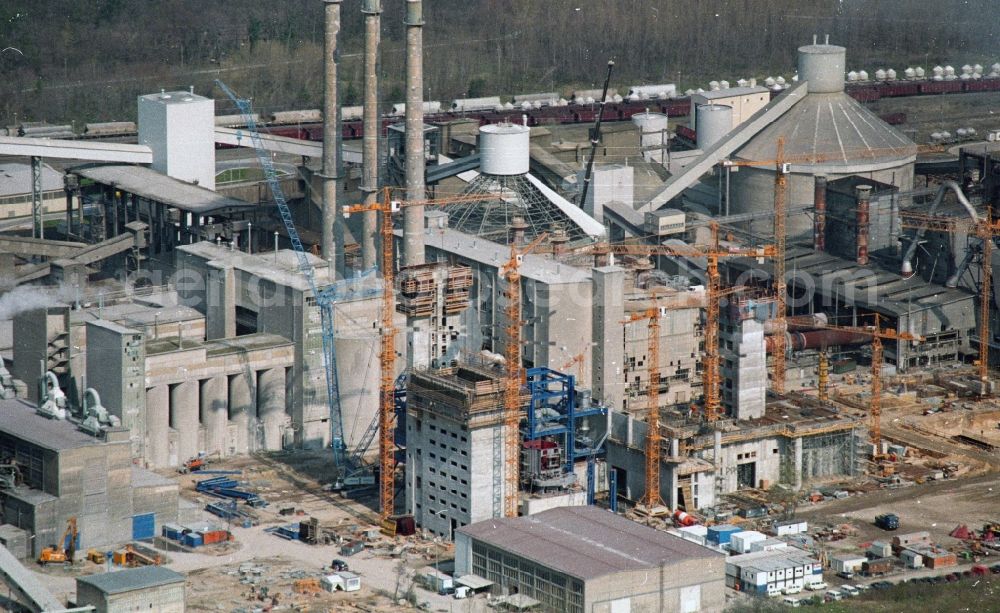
(57, 554)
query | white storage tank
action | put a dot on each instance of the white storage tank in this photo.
(890, 74)
(909, 73)
(713, 122)
(504, 149)
(919, 72)
(862, 75)
(652, 134)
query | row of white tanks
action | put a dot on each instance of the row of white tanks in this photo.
(938, 73)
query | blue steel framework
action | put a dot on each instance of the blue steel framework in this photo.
(555, 393)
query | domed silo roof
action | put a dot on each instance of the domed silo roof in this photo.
(826, 133)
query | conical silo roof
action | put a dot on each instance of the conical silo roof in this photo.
(834, 130)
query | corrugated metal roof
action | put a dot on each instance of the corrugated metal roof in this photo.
(18, 418)
(150, 184)
(132, 579)
(586, 542)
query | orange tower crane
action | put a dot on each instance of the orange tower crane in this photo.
(387, 346)
(877, 334)
(515, 380)
(652, 500)
(710, 363)
(782, 164)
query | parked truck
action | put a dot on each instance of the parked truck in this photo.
(887, 521)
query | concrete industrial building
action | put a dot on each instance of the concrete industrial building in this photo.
(68, 473)
(153, 588)
(585, 559)
(454, 447)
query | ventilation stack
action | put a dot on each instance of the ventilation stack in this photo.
(413, 216)
(330, 136)
(372, 10)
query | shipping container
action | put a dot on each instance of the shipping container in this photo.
(172, 531)
(878, 567)
(720, 535)
(192, 539)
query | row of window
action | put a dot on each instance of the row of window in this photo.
(554, 590)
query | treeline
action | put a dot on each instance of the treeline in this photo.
(88, 60)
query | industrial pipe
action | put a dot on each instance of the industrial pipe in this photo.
(819, 214)
(818, 339)
(413, 216)
(862, 224)
(906, 268)
(798, 323)
(372, 10)
(331, 138)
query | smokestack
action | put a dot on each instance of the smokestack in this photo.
(413, 217)
(330, 136)
(372, 10)
(819, 214)
(861, 221)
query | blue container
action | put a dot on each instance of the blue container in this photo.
(172, 531)
(193, 539)
(720, 535)
(143, 526)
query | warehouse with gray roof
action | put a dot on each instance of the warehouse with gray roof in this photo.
(585, 559)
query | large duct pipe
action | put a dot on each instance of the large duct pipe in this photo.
(798, 323)
(818, 339)
(330, 136)
(413, 216)
(372, 10)
(819, 214)
(862, 223)
(906, 268)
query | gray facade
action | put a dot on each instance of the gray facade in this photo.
(153, 588)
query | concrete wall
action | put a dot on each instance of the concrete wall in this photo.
(752, 189)
(683, 587)
(116, 370)
(161, 599)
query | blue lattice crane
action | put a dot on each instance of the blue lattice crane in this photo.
(324, 296)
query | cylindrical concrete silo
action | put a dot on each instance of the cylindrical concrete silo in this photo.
(504, 149)
(714, 121)
(827, 133)
(653, 135)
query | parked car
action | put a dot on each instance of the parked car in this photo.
(816, 587)
(849, 590)
(773, 590)
(881, 585)
(792, 589)
(887, 521)
(792, 602)
(338, 565)
(995, 569)
(846, 574)
(861, 587)
(833, 595)
(951, 577)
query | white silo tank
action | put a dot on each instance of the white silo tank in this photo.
(946, 135)
(970, 131)
(919, 72)
(977, 75)
(977, 68)
(909, 74)
(890, 74)
(937, 71)
(780, 81)
(880, 75)
(966, 69)
(503, 149)
(961, 132)
(935, 136)
(769, 82)
(995, 69)
(699, 91)
(713, 86)
(714, 121)
(562, 102)
(633, 97)
(823, 67)
(862, 75)
(723, 84)
(652, 133)
(852, 76)
(525, 106)
(742, 83)
(949, 71)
